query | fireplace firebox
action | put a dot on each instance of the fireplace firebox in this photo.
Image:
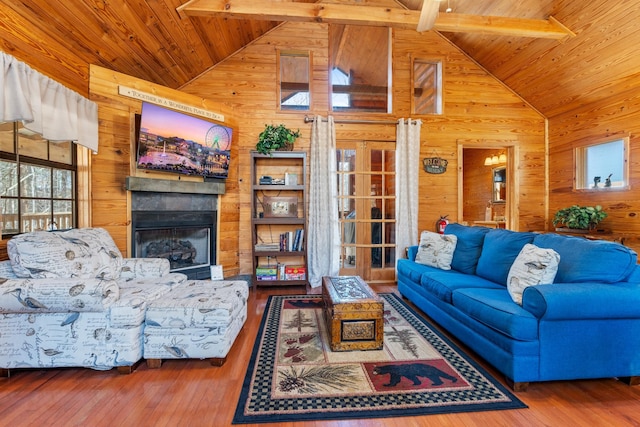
(186, 239)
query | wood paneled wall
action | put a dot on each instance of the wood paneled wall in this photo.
(477, 107)
(616, 116)
(110, 207)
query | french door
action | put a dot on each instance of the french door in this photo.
(366, 201)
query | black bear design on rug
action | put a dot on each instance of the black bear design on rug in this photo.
(412, 371)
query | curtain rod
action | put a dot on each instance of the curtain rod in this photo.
(308, 119)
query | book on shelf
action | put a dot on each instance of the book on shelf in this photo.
(273, 247)
(295, 272)
(292, 240)
(281, 272)
(267, 271)
(300, 240)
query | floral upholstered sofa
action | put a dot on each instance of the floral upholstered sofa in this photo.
(70, 299)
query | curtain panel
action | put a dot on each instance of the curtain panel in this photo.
(407, 168)
(45, 106)
(323, 243)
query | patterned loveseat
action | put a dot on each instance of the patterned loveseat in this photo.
(70, 299)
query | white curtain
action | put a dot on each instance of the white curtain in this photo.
(407, 168)
(323, 243)
(45, 106)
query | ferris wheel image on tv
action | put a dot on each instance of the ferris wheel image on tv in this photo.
(218, 137)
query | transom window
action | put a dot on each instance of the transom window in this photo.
(359, 67)
(37, 182)
(603, 165)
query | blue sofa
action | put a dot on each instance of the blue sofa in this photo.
(584, 325)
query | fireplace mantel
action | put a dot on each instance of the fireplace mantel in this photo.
(135, 183)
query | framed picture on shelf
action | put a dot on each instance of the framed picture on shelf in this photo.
(280, 207)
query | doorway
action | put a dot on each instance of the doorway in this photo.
(366, 201)
(487, 183)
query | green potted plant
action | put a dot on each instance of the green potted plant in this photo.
(278, 138)
(579, 217)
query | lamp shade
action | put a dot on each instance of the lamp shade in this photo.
(495, 160)
(502, 158)
(487, 161)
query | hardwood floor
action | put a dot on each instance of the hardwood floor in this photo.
(194, 393)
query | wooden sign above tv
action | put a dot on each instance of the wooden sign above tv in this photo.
(154, 99)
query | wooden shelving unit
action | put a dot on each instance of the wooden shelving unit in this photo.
(276, 210)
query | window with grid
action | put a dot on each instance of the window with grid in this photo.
(37, 182)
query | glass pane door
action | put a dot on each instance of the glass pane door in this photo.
(366, 200)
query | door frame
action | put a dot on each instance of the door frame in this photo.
(512, 210)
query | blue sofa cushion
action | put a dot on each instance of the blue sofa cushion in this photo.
(499, 250)
(468, 248)
(583, 260)
(413, 270)
(496, 309)
(442, 283)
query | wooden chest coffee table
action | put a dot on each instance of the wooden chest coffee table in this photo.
(353, 313)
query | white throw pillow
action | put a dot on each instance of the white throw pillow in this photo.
(533, 266)
(436, 250)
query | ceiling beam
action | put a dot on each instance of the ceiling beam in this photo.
(428, 15)
(266, 10)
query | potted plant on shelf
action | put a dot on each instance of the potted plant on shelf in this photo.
(278, 138)
(578, 218)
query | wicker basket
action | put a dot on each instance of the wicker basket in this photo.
(288, 146)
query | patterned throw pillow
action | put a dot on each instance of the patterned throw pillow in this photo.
(80, 253)
(436, 250)
(533, 266)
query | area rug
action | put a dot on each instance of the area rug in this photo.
(294, 376)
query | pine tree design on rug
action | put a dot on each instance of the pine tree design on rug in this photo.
(405, 338)
(317, 379)
(301, 343)
(299, 321)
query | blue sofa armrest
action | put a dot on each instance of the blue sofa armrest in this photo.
(411, 252)
(566, 301)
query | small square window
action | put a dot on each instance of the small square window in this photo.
(602, 165)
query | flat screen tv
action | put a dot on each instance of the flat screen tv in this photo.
(170, 141)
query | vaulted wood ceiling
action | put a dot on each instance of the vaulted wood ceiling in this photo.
(149, 39)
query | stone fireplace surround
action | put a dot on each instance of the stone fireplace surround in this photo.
(187, 210)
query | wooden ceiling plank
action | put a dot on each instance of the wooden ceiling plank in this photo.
(373, 16)
(182, 42)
